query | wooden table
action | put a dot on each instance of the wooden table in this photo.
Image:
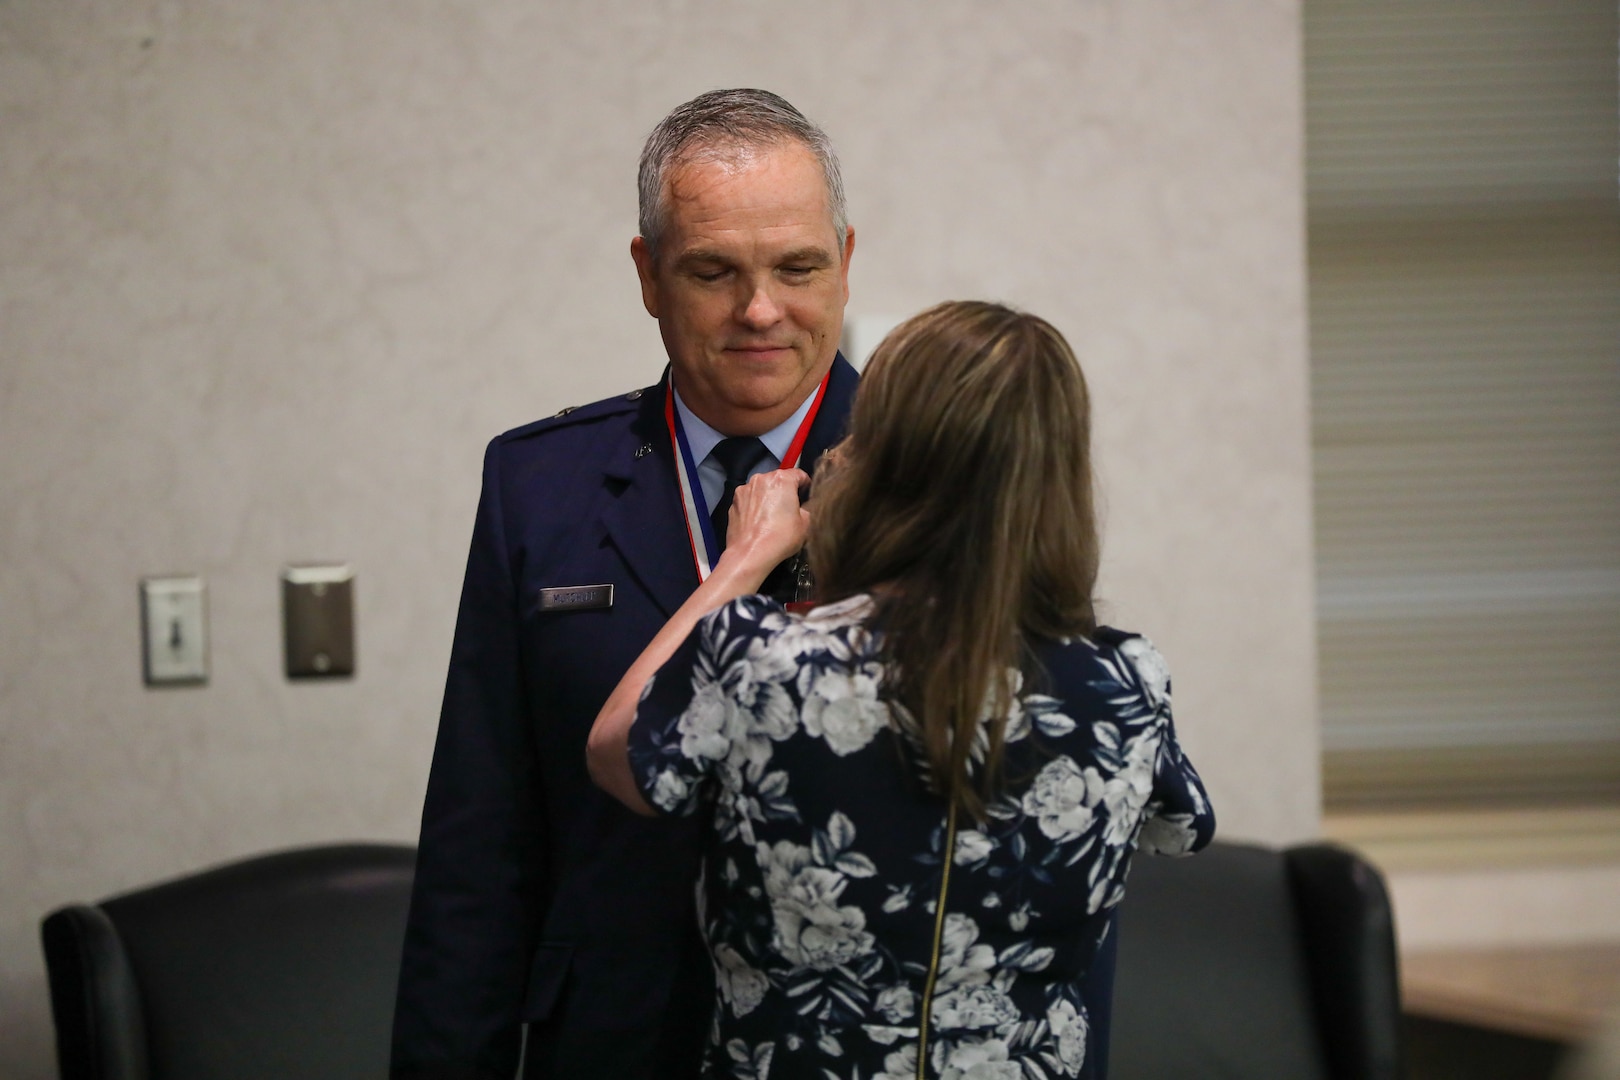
(1562, 993)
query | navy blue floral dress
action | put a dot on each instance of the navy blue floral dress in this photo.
(843, 902)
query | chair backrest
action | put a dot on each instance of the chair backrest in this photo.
(278, 966)
(1244, 962)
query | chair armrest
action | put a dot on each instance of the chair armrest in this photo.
(1349, 936)
(100, 1028)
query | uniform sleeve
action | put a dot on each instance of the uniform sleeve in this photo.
(686, 721)
(481, 862)
(1179, 818)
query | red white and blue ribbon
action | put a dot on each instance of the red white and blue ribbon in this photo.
(699, 530)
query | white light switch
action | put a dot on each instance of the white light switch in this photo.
(174, 616)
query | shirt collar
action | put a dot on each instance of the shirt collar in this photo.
(702, 438)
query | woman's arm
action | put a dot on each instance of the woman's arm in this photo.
(767, 525)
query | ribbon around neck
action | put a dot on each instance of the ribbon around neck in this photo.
(699, 531)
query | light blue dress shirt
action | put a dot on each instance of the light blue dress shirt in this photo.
(702, 439)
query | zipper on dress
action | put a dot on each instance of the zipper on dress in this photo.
(939, 935)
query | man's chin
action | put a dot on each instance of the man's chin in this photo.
(762, 399)
(752, 392)
(771, 358)
(762, 383)
(766, 402)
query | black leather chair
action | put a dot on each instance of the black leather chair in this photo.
(1245, 963)
(275, 967)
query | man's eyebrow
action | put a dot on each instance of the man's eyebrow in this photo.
(699, 261)
(687, 260)
(807, 256)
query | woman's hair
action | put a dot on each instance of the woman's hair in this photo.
(962, 498)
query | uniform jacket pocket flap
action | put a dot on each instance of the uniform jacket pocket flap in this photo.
(547, 971)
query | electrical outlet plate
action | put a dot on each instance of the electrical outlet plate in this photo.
(174, 623)
(317, 611)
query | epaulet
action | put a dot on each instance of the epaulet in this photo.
(580, 414)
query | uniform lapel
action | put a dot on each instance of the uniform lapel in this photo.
(832, 419)
(644, 521)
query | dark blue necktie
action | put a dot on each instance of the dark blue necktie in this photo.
(738, 456)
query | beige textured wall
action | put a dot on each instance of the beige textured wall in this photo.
(271, 274)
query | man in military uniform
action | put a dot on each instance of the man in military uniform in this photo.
(538, 898)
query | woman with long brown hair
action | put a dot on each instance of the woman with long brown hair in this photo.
(925, 791)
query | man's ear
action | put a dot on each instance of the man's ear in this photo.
(849, 249)
(647, 271)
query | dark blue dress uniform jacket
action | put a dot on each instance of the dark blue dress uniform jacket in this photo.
(538, 898)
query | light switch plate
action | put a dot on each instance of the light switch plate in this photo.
(317, 614)
(174, 624)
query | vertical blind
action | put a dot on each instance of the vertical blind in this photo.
(1464, 262)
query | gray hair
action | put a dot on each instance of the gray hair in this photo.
(729, 120)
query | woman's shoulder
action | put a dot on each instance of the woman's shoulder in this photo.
(1107, 645)
(769, 624)
(1108, 664)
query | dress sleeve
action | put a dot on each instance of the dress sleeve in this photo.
(686, 721)
(1179, 819)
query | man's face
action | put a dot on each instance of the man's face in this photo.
(749, 286)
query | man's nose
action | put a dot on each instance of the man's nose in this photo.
(759, 308)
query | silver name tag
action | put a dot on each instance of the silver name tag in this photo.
(576, 598)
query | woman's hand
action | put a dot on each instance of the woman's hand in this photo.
(767, 524)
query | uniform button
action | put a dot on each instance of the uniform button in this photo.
(634, 395)
(646, 449)
(566, 409)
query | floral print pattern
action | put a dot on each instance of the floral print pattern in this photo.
(821, 888)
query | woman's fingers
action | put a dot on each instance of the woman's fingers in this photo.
(766, 518)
